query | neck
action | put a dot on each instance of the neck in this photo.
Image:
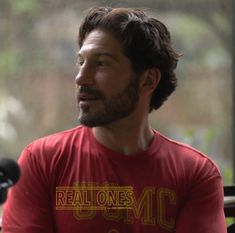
(127, 136)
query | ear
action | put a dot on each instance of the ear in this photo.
(150, 80)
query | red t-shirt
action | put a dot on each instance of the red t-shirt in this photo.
(71, 183)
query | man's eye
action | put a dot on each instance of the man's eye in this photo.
(80, 63)
(100, 63)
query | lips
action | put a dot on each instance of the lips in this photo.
(86, 100)
(86, 97)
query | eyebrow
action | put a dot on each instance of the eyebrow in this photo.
(100, 53)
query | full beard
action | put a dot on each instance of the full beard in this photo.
(117, 107)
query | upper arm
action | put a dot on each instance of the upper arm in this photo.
(203, 210)
(27, 208)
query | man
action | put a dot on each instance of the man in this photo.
(115, 174)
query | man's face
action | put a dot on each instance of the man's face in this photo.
(107, 87)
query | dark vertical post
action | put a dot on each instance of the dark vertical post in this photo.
(233, 86)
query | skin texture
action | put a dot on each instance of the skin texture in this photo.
(101, 65)
(111, 97)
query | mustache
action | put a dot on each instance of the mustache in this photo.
(88, 90)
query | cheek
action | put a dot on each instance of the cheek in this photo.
(107, 82)
(112, 82)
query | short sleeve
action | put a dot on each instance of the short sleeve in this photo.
(203, 211)
(28, 206)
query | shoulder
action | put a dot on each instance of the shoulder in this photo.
(54, 145)
(58, 139)
(186, 156)
(44, 155)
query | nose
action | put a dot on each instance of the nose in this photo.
(84, 76)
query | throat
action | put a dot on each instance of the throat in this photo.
(125, 143)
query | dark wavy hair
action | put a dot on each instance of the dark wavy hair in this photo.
(146, 42)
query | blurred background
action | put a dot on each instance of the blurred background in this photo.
(38, 66)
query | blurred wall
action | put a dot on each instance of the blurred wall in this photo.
(38, 66)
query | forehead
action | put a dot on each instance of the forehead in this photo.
(102, 42)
